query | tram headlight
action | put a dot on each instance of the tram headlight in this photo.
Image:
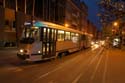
(39, 51)
(21, 50)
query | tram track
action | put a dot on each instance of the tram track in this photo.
(89, 56)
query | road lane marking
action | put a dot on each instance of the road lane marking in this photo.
(59, 67)
(18, 70)
(52, 82)
(96, 56)
(11, 68)
(86, 68)
(105, 69)
(46, 74)
(89, 64)
(96, 68)
(77, 78)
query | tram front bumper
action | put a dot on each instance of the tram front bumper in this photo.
(22, 56)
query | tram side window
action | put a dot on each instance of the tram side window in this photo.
(72, 35)
(67, 36)
(75, 37)
(44, 34)
(60, 36)
(48, 34)
(78, 36)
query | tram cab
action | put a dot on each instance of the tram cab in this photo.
(37, 43)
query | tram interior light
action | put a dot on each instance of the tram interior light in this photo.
(92, 43)
(39, 51)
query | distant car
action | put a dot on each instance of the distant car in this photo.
(116, 42)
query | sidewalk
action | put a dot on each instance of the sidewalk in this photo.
(8, 48)
(117, 51)
(115, 65)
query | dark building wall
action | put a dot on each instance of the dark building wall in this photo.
(29, 7)
(9, 25)
(10, 4)
(60, 11)
(39, 8)
(7, 22)
(1, 3)
(47, 10)
(20, 19)
(7, 19)
(1, 22)
(21, 5)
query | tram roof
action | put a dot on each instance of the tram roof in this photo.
(55, 26)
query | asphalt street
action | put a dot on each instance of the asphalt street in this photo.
(101, 65)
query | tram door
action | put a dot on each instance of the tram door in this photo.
(48, 42)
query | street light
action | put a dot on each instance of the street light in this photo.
(66, 25)
(115, 24)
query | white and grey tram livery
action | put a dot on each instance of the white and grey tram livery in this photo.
(46, 40)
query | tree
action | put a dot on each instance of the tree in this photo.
(110, 11)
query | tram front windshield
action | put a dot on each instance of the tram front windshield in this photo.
(29, 35)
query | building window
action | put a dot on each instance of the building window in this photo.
(1, 3)
(10, 4)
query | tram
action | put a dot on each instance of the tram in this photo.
(45, 40)
(87, 39)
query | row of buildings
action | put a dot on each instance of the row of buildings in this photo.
(14, 13)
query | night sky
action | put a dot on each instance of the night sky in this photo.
(92, 11)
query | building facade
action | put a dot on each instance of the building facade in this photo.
(84, 18)
(91, 29)
(14, 14)
(73, 14)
